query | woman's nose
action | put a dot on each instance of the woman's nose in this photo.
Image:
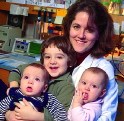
(82, 34)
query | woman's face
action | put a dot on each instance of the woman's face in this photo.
(82, 36)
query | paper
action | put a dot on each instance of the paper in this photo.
(18, 10)
(58, 20)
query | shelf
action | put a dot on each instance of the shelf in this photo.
(33, 9)
(117, 18)
(6, 7)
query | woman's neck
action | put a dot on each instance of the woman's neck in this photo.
(81, 57)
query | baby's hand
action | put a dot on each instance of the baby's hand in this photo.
(78, 99)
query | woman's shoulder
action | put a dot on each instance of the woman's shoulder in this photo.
(102, 63)
(96, 62)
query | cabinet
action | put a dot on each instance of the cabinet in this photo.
(4, 75)
(32, 17)
(5, 7)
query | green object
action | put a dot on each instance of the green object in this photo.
(35, 48)
(116, 1)
(105, 3)
(63, 89)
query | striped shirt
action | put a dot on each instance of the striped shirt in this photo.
(56, 109)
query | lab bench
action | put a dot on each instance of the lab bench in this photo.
(9, 61)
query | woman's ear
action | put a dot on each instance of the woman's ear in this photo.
(103, 93)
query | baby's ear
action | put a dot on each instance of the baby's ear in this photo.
(45, 88)
(103, 93)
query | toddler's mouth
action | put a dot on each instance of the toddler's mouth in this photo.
(53, 67)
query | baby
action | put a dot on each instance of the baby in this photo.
(33, 86)
(87, 101)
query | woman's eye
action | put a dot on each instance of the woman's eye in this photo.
(76, 27)
(90, 30)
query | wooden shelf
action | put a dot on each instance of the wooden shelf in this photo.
(5, 6)
(117, 18)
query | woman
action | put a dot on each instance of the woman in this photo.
(89, 28)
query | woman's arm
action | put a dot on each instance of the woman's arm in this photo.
(109, 109)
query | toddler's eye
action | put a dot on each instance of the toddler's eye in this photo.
(46, 57)
(59, 57)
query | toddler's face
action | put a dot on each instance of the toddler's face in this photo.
(55, 61)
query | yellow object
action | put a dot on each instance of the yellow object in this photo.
(37, 8)
(61, 12)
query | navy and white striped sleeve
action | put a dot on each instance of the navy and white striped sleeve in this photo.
(4, 106)
(56, 109)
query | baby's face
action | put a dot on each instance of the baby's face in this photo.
(33, 82)
(55, 61)
(91, 86)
